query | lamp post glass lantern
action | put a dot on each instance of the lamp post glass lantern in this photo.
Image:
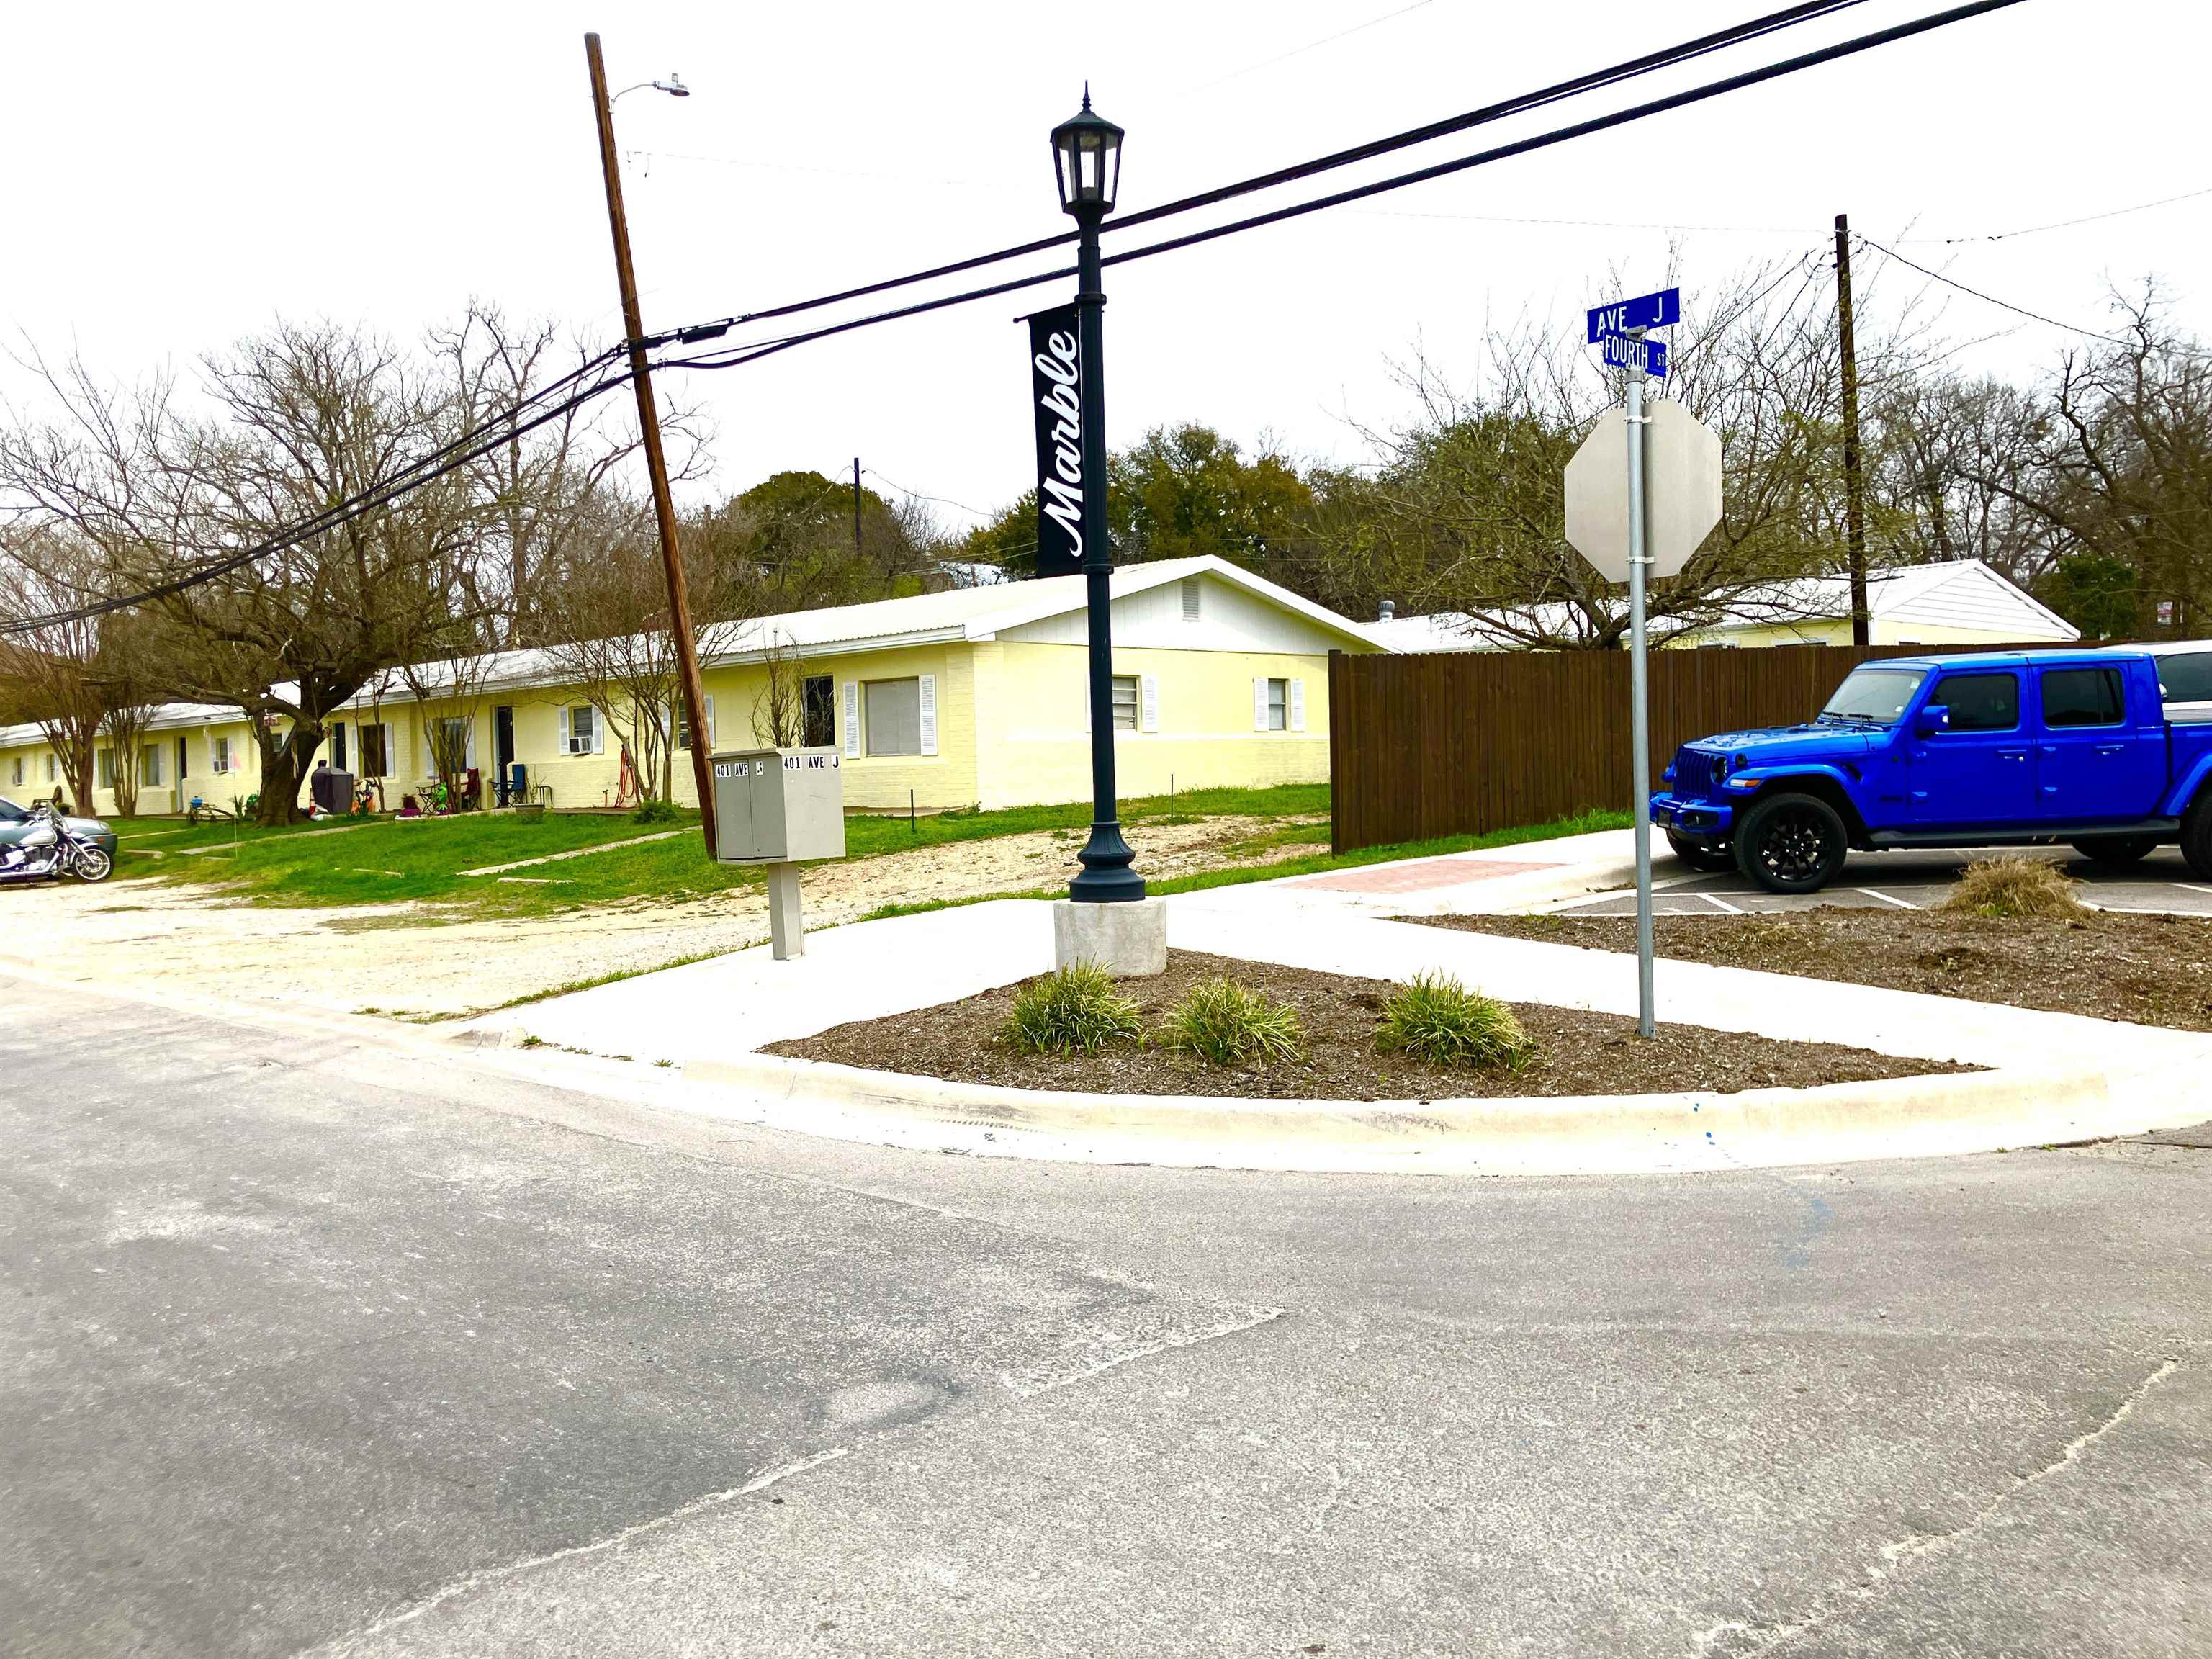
(1086, 150)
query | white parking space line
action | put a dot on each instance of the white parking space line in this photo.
(2186, 888)
(1885, 899)
(1720, 904)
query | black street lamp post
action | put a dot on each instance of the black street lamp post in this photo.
(1087, 150)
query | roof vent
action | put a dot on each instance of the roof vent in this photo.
(1389, 609)
(1190, 598)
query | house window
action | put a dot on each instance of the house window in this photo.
(339, 746)
(219, 755)
(583, 723)
(818, 712)
(684, 723)
(375, 751)
(19, 771)
(107, 769)
(1125, 702)
(452, 736)
(50, 767)
(149, 767)
(2082, 696)
(1279, 705)
(894, 717)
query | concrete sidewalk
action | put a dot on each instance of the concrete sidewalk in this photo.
(733, 1005)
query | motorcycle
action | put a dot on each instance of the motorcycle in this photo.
(48, 850)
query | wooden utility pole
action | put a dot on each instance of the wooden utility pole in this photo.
(648, 420)
(1854, 484)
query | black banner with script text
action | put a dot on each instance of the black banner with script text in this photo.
(1056, 388)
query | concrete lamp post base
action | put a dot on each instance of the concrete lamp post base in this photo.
(1129, 941)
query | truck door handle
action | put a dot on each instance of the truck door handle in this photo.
(2012, 754)
(2111, 748)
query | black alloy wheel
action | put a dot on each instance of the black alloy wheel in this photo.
(1791, 844)
(2196, 834)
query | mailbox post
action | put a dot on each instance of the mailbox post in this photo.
(779, 807)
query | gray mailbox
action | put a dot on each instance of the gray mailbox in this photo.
(778, 806)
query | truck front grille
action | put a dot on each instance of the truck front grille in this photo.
(1698, 776)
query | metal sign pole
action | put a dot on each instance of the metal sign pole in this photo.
(1639, 719)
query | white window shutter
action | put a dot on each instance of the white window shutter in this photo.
(1297, 705)
(598, 733)
(852, 717)
(1258, 705)
(1148, 693)
(564, 728)
(710, 719)
(928, 702)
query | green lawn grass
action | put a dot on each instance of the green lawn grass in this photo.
(387, 861)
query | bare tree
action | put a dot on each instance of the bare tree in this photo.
(50, 675)
(780, 706)
(543, 490)
(608, 602)
(290, 424)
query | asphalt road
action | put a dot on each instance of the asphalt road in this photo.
(307, 1349)
(1906, 880)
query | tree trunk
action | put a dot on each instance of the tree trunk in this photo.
(80, 762)
(283, 770)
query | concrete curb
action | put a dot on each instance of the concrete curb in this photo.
(1899, 1117)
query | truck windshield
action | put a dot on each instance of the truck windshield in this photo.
(1874, 694)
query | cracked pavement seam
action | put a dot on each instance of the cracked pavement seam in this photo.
(1900, 1553)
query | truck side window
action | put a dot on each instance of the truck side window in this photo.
(1980, 702)
(2082, 696)
(2187, 678)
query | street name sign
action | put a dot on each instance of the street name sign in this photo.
(1645, 310)
(1644, 356)
(1682, 490)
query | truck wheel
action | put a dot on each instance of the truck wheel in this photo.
(1701, 854)
(2117, 852)
(1791, 844)
(2196, 834)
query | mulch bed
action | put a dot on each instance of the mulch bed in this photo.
(2148, 970)
(1579, 1054)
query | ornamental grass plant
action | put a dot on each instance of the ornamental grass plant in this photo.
(1224, 1024)
(1436, 1018)
(1073, 1010)
(2015, 888)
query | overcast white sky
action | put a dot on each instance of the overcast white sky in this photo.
(179, 175)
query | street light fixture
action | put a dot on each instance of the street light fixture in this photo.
(1087, 156)
(673, 86)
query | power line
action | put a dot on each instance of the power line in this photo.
(751, 352)
(1991, 299)
(1751, 29)
(915, 495)
(1311, 45)
(450, 458)
(737, 355)
(2065, 224)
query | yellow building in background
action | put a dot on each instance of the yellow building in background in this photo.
(977, 696)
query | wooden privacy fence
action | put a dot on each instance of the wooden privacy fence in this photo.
(1461, 742)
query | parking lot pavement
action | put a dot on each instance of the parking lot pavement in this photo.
(1907, 881)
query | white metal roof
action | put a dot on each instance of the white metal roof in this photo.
(959, 613)
(1958, 592)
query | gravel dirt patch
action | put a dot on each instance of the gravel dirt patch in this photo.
(419, 961)
(1579, 1053)
(2148, 970)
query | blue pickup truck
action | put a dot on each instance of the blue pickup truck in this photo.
(2034, 747)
